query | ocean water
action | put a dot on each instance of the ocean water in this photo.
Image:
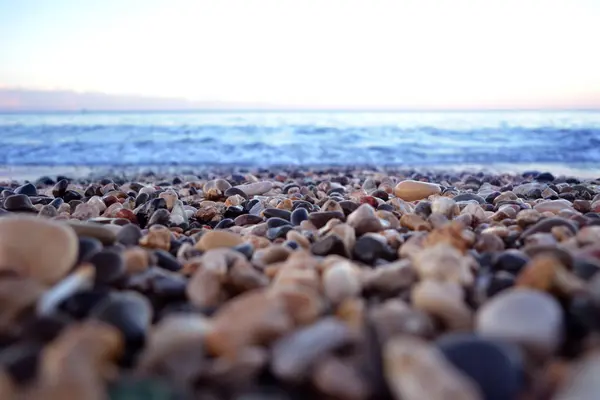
(300, 138)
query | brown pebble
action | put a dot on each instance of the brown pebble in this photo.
(158, 237)
(38, 248)
(410, 190)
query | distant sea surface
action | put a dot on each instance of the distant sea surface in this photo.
(300, 138)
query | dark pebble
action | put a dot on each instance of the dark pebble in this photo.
(248, 219)
(19, 203)
(381, 194)
(368, 249)
(71, 195)
(497, 368)
(80, 305)
(500, 281)
(319, 219)
(545, 177)
(88, 247)
(585, 269)
(21, 361)
(131, 313)
(512, 261)
(28, 190)
(129, 235)
(141, 198)
(60, 188)
(160, 217)
(423, 209)
(246, 249)
(278, 232)
(232, 191)
(45, 329)
(167, 261)
(291, 244)
(348, 206)
(233, 212)
(56, 203)
(331, 244)
(225, 223)
(277, 213)
(469, 197)
(298, 215)
(110, 267)
(45, 181)
(301, 204)
(275, 222)
(546, 224)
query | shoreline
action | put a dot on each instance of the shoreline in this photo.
(34, 172)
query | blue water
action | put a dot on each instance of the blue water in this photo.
(301, 138)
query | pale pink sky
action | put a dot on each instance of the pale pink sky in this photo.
(315, 53)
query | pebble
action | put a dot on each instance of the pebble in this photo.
(56, 248)
(294, 355)
(522, 316)
(218, 239)
(482, 267)
(410, 364)
(410, 190)
(256, 188)
(497, 368)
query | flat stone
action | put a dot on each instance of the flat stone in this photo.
(256, 188)
(553, 206)
(410, 190)
(38, 248)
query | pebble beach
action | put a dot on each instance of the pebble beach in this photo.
(300, 283)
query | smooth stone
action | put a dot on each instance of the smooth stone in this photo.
(48, 211)
(469, 197)
(368, 249)
(545, 225)
(256, 188)
(129, 235)
(160, 217)
(101, 232)
(60, 188)
(348, 206)
(331, 244)
(410, 190)
(27, 189)
(42, 249)
(275, 222)
(298, 215)
(248, 219)
(319, 219)
(295, 354)
(416, 370)
(110, 266)
(364, 220)
(497, 368)
(166, 260)
(526, 317)
(19, 203)
(56, 203)
(278, 232)
(553, 206)
(130, 312)
(512, 261)
(233, 191)
(87, 248)
(277, 213)
(217, 239)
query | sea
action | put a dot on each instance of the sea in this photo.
(519, 139)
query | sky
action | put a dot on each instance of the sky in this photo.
(311, 53)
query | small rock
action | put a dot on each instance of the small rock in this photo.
(256, 188)
(54, 245)
(158, 237)
(523, 316)
(294, 355)
(443, 300)
(410, 190)
(410, 365)
(218, 239)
